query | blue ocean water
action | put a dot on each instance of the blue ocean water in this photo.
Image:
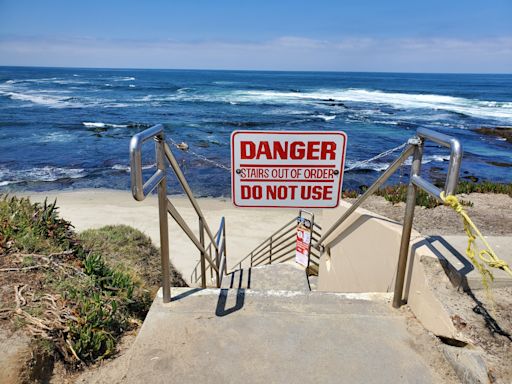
(70, 128)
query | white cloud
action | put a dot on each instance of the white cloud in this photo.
(285, 53)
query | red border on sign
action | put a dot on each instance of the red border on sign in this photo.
(341, 133)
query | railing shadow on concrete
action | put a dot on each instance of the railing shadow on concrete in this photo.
(221, 309)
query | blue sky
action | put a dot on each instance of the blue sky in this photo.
(364, 35)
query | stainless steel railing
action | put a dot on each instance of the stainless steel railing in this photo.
(141, 189)
(415, 147)
(280, 247)
(220, 261)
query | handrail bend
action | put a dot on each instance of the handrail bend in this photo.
(415, 148)
(141, 189)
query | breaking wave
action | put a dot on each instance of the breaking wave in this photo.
(125, 78)
(379, 166)
(39, 174)
(470, 107)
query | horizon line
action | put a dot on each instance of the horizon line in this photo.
(253, 70)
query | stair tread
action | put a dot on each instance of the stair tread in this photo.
(258, 336)
(275, 276)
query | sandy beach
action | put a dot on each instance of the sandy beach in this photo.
(245, 228)
(248, 227)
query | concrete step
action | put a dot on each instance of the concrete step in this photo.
(288, 277)
(274, 336)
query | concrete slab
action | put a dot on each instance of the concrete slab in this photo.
(246, 336)
(461, 271)
(289, 277)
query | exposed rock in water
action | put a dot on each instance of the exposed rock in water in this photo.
(500, 132)
(472, 178)
(500, 164)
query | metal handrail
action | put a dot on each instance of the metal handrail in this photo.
(415, 148)
(221, 261)
(268, 251)
(141, 189)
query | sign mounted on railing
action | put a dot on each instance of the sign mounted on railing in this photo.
(303, 241)
(287, 169)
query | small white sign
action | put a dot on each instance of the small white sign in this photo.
(287, 169)
(302, 246)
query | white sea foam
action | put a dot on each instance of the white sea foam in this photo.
(47, 173)
(325, 117)
(471, 107)
(382, 166)
(103, 125)
(55, 137)
(49, 100)
(124, 79)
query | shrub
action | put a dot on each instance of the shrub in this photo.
(79, 293)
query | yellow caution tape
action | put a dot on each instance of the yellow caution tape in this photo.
(486, 256)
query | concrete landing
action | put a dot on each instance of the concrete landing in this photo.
(250, 336)
(460, 269)
(287, 277)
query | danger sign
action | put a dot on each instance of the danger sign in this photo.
(287, 169)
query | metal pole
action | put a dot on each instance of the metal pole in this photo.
(270, 253)
(164, 227)
(203, 263)
(407, 227)
(225, 252)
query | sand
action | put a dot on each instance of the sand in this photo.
(245, 228)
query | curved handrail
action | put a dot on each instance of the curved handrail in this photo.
(141, 189)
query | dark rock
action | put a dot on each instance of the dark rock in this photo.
(501, 132)
(500, 164)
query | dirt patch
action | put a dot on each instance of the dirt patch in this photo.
(430, 348)
(490, 212)
(482, 318)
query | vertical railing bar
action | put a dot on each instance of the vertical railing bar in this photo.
(164, 225)
(270, 252)
(407, 226)
(225, 252)
(203, 262)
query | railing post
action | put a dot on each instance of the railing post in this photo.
(224, 247)
(203, 262)
(270, 253)
(407, 227)
(164, 227)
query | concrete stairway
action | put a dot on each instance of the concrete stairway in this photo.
(277, 335)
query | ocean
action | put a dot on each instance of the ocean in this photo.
(69, 128)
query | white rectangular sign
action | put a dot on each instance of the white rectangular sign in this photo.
(287, 169)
